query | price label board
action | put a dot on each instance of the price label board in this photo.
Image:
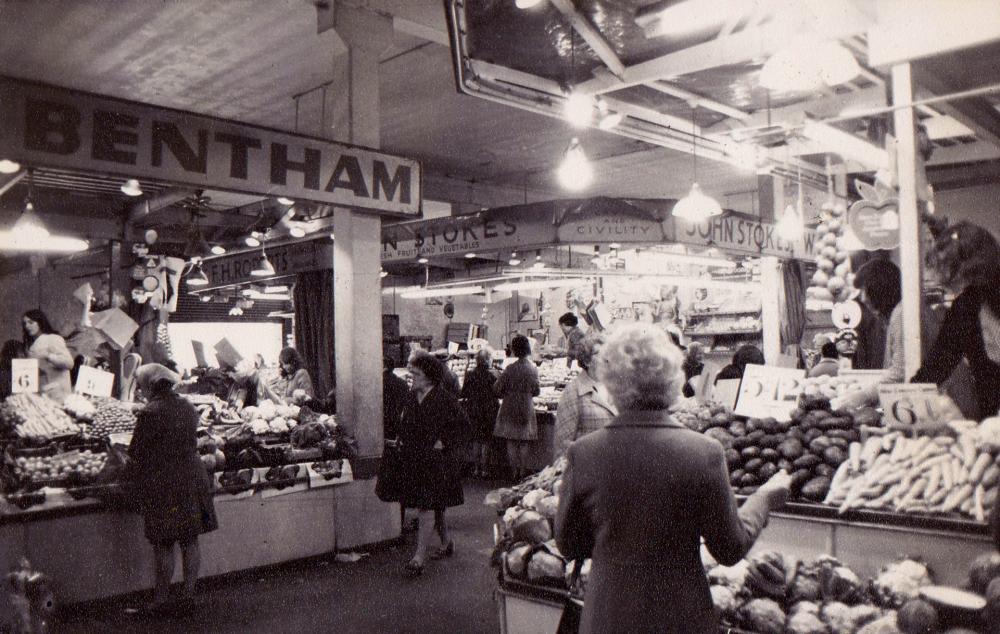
(94, 382)
(24, 376)
(476, 344)
(910, 403)
(769, 392)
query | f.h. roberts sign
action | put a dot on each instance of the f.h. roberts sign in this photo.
(50, 126)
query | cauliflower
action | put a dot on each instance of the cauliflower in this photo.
(899, 582)
(725, 601)
(512, 514)
(268, 410)
(837, 616)
(259, 426)
(278, 425)
(763, 616)
(730, 576)
(805, 621)
(548, 506)
(250, 413)
(884, 625)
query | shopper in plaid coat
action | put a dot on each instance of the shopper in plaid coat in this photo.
(584, 405)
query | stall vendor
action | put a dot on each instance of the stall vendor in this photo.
(298, 386)
(570, 326)
(42, 342)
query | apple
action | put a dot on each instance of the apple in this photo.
(820, 278)
(824, 264)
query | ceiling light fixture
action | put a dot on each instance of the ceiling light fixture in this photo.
(8, 166)
(696, 206)
(527, 4)
(296, 230)
(218, 249)
(538, 260)
(469, 256)
(681, 18)
(197, 276)
(284, 200)
(575, 172)
(442, 292)
(29, 233)
(514, 260)
(579, 109)
(609, 120)
(264, 267)
(527, 285)
(278, 288)
(383, 273)
(131, 187)
(204, 299)
(422, 260)
(253, 240)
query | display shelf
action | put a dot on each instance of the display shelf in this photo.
(726, 313)
(721, 333)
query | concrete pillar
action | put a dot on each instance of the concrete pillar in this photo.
(357, 241)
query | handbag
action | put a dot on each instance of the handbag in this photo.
(569, 622)
(389, 481)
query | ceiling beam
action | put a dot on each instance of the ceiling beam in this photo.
(144, 208)
(680, 93)
(591, 36)
(418, 30)
(822, 108)
(747, 45)
(912, 29)
(12, 180)
(969, 112)
(964, 153)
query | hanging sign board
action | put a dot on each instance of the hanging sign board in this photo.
(94, 382)
(875, 223)
(910, 403)
(743, 235)
(24, 376)
(286, 259)
(769, 392)
(47, 125)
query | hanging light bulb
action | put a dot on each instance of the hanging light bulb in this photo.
(538, 260)
(29, 226)
(790, 226)
(8, 166)
(253, 240)
(697, 205)
(197, 276)
(579, 109)
(264, 267)
(514, 260)
(218, 249)
(575, 172)
(131, 187)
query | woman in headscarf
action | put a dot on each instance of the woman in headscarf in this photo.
(54, 359)
(171, 486)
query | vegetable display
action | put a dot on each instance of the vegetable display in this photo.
(35, 417)
(112, 417)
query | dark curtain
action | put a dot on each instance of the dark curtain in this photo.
(792, 303)
(313, 300)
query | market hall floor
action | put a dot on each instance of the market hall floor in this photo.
(453, 595)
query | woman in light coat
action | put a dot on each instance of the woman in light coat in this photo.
(54, 359)
(516, 422)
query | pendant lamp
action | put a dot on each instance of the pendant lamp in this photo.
(697, 205)
(575, 172)
(29, 233)
(264, 267)
(197, 276)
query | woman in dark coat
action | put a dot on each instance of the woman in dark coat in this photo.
(516, 421)
(640, 495)
(432, 438)
(171, 485)
(481, 406)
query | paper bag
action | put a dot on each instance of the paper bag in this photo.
(115, 325)
(226, 354)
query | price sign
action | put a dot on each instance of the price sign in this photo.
(768, 391)
(476, 344)
(94, 382)
(910, 403)
(24, 375)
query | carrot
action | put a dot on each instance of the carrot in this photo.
(956, 498)
(978, 469)
(968, 449)
(940, 496)
(991, 476)
(947, 477)
(854, 455)
(977, 503)
(933, 481)
(960, 472)
(911, 495)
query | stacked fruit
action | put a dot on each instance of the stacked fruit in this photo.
(833, 279)
(112, 417)
(80, 465)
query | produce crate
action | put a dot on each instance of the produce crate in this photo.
(527, 609)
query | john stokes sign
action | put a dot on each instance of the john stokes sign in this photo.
(45, 125)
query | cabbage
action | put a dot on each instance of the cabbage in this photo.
(763, 616)
(545, 567)
(837, 615)
(530, 527)
(515, 559)
(884, 625)
(916, 617)
(511, 514)
(805, 622)
(531, 498)
(724, 600)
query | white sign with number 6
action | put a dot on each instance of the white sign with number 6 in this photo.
(910, 403)
(24, 376)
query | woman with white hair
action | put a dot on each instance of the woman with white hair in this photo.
(585, 404)
(168, 480)
(640, 494)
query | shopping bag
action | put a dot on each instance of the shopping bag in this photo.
(389, 483)
(569, 622)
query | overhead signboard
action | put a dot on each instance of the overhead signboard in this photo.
(50, 126)
(286, 259)
(744, 235)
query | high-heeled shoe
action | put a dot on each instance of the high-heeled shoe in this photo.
(444, 551)
(412, 569)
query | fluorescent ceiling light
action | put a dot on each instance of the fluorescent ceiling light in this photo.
(281, 314)
(422, 260)
(442, 292)
(701, 260)
(526, 285)
(469, 256)
(9, 241)
(8, 166)
(268, 297)
(278, 288)
(848, 146)
(527, 4)
(399, 289)
(284, 200)
(131, 187)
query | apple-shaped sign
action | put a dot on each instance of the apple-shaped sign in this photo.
(874, 220)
